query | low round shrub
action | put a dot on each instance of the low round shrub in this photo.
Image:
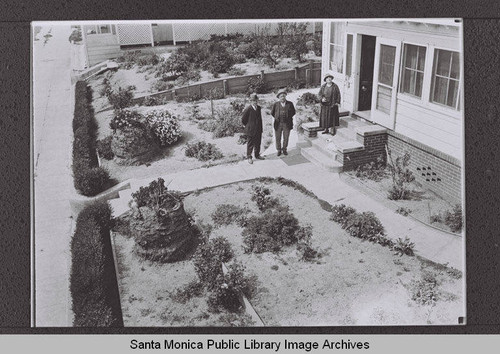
(270, 231)
(203, 151)
(226, 214)
(364, 225)
(227, 122)
(218, 62)
(341, 213)
(164, 126)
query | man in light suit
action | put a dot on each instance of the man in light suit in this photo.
(252, 120)
(283, 112)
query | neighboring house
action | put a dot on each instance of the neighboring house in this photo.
(405, 76)
(105, 41)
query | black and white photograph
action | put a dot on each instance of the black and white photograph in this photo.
(248, 173)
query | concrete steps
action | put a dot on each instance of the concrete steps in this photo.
(321, 159)
(324, 149)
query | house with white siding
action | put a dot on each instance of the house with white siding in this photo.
(406, 77)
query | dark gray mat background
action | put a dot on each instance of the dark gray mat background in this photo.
(482, 146)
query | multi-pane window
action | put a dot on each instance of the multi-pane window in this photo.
(446, 78)
(337, 33)
(413, 69)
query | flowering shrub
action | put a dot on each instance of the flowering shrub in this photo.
(125, 119)
(340, 213)
(164, 126)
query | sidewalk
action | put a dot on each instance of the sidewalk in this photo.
(430, 243)
(53, 185)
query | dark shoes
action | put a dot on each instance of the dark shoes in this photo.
(260, 157)
(250, 161)
(325, 132)
(285, 152)
(279, 153)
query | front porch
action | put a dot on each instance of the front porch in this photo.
(356, 142)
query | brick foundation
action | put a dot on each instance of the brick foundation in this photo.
(433, 169)
(436, 171)
(373, 140)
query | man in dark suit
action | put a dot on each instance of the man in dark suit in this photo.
(283, 112)
(252, 120)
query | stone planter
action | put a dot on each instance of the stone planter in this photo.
(164, 235)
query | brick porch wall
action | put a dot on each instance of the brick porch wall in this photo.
(374, 147)
(433, 169)
(436, 171)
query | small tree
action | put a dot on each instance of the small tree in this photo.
(401, 175)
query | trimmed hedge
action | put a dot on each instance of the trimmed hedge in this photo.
(89, 178)
(93, 283)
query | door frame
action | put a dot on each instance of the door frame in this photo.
(388, 121)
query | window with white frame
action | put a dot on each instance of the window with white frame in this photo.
(413, 70)
(337, 34)
(446, 78)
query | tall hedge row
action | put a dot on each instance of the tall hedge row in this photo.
(93, 282)
(89, 178)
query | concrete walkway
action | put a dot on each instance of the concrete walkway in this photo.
(53, 99)
(430, 243)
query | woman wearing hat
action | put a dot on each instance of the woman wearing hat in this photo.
(283, 112)
(329, 96)
(252, 120)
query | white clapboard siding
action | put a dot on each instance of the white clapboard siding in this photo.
(440, 131)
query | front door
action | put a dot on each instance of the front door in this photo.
(366, 72)
(385, 81)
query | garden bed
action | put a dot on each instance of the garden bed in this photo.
(144, 80)
(424, 205)
(352, 283)
(147, 289)
(172, 159)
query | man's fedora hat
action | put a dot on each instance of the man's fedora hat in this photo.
(253, 97)
(281, 92)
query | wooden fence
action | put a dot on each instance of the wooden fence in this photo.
(308, 74)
